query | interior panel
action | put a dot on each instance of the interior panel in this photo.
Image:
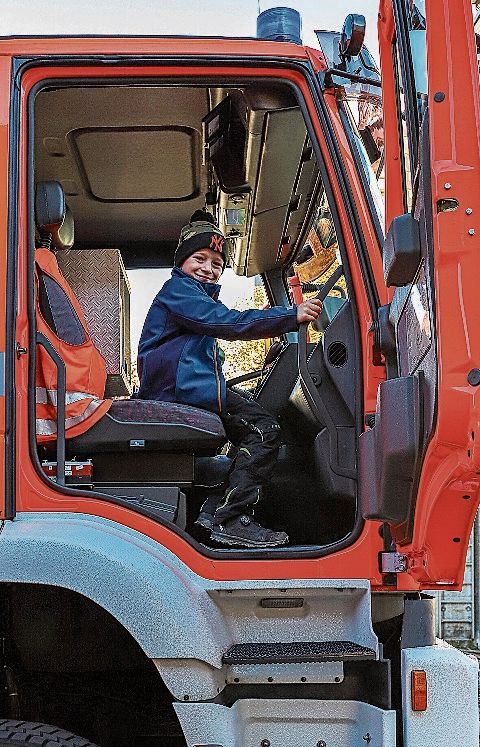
(117, 163)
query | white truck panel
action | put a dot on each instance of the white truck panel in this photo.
(287, 723)
(451, 716)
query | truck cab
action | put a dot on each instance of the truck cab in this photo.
(123, 622)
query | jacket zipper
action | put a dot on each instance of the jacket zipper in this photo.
(219, 390)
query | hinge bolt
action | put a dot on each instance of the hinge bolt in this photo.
(469, 211)
(473, 377)
(447, 185)
(471, 232)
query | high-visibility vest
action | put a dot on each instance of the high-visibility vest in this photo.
(85, 367)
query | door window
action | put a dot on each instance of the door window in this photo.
(404, 138)
(318, 259)
(411, 80)
(363, 123)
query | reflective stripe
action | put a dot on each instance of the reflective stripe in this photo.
(49, 396)
(46, 427)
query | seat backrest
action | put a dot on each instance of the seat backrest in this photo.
(61, 321)
(57, 301)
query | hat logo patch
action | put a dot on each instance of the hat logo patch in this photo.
(217, 243)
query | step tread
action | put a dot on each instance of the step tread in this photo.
(301, 652)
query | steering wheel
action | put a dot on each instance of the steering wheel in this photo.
(272, 353)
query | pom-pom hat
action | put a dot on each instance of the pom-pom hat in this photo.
(200, 233)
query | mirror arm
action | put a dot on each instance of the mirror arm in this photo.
(326, 79)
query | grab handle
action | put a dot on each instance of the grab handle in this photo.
(61, 395)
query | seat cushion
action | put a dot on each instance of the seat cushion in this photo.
(152, 426)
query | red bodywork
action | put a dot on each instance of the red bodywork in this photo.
(448, 493)
(448, 490)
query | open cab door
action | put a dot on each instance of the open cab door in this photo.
(420, 462)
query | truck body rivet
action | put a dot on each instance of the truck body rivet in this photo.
(471, 232)
(265, 743)
(367, 738)
(469, 211)
(321, 743)
(447, 185)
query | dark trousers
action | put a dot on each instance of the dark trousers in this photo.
(257, 436)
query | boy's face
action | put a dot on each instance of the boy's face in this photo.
(204, 265)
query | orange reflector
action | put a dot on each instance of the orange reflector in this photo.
(419, 690)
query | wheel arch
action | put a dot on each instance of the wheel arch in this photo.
(141, 584)
(67, 661)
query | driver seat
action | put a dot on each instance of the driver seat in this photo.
(132, 427)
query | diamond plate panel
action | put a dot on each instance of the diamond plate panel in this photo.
(99, 281)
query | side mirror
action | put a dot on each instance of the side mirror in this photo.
(353, 35)
(401, 251)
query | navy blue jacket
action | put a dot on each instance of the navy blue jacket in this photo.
(178, 355)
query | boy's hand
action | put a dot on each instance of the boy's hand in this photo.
(309, 310)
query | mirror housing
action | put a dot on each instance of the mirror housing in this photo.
(353, 35)
(401, 251)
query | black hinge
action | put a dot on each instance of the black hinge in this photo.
(393, 562)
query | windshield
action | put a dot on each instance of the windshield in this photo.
(362, 117)
(363, 122)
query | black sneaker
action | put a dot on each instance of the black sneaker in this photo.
(205, 521)
(243, 531)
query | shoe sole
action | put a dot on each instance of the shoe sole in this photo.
(232, 541)
(204, 524)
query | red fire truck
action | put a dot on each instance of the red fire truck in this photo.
(118, 621)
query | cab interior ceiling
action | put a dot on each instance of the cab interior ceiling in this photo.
(131, 162)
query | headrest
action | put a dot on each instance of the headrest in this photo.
(52, 216)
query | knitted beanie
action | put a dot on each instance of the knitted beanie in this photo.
(200, 233)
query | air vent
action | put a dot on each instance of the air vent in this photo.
(337, 354)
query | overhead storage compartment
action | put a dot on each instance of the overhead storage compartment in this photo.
(266, 133)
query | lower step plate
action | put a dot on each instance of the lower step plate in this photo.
(290, 653)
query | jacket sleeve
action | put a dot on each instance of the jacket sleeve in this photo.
(203, 315)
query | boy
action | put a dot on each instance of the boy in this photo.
(179, 361)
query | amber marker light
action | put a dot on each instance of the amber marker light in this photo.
(419, 690)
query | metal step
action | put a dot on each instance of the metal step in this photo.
(291, 653)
